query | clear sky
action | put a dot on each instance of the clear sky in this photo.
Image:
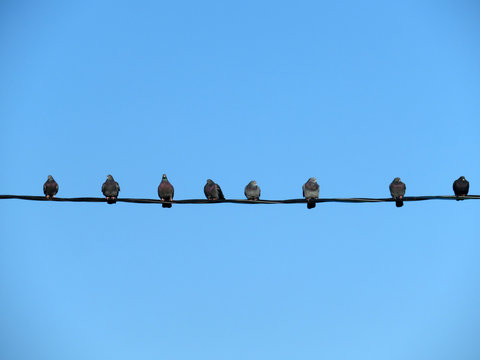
(353, 93)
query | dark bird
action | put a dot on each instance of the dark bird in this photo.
(110, 190)
(397, 190)
(50, 188)
(212, 191)
(165, 191)
(461, 186)
(311, 190)
(252, 191)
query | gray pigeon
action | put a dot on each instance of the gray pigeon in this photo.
(110, 190)
(252, 191)
(212, 191)
(311, 190)
(50, 188)
(165, 191)
(461, 186)
(397, 190)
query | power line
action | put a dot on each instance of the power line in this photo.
(240, 201)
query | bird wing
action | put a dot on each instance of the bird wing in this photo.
(220, 193)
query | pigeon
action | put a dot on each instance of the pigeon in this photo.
(165, 191)
(397, 189)
(212, 191)
(252, 191)
(50, 188)
(460, 187)
(110, 189)
(311, 190)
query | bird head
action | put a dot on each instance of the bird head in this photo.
(109, 177)
(50, 177)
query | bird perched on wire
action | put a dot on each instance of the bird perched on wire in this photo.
(252, 191)
(397, 190)
(213, 191)
(50, 188)
(311, 190)
(461, 186)
(110, 190)
(165, 191)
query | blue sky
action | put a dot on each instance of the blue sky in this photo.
(353, 94)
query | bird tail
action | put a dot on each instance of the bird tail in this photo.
(399, 203)
(311, 204)
(111, 200)
(164, 205)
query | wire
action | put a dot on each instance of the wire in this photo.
(240, 201)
